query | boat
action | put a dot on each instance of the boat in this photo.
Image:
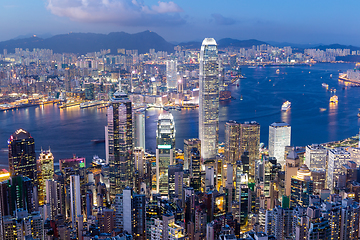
(330, 75)
(98, 161)
(334, 99)
(358, 114)
(322, 109)
(325, 85)
(178, 108)
(241, 97)
(98, 140)
(166, 108)
(277, 71)
(286, 106)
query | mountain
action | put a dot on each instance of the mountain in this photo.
(83, 43)
(225, 43)
(293, 45)
(191, 45)
(229, 42)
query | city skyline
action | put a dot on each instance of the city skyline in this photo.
(181, 21)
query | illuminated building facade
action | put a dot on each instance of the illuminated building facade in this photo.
(279, 138)
(271, 168)
(301, 187)
(165, 151)
(119, 143)
(250, 142)
(232, 151)
(209, 99)
(195, 171)
(22, 159)
(176, 176)
(171, 75)
(45, 165)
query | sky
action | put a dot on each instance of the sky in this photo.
(294, 21)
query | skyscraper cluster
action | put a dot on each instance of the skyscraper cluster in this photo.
(236, 190)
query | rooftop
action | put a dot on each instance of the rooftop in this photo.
(209, 41)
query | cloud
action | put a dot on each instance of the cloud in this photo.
(121, 12)
(221, 20)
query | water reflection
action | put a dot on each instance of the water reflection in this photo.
(286, 116)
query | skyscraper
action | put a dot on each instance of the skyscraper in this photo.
(279, 138)
(171, 75)
(119, 143)
(209, 99)
(250, 142)
(232, 151)
(189, 144)
(301, 187)
(139, 129)
(45, 165)
(75, 198)
(337, 158)
(22, 159)
(194, 168)
(165, 151)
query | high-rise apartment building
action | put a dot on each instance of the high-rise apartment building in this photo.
(22, 159)
(250, 142)
(171, 75)
(209, 99)
(337, 158)
(45, 166)
(315, 157)
(130, 213)
(232, 141)
(165, 151)
(279, 138)
(119, 143)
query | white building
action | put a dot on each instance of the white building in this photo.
(167, 229)
(337, 158)
(279, 138)
(315, 157)
(209, 99)
(75, 198)
(171, 75)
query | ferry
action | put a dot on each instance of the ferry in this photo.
(325, 85)
(286, 106)
(98, 161)
(334, 99)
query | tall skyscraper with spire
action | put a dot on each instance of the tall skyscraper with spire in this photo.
(209, 99)
(119, 143)
(165, 151)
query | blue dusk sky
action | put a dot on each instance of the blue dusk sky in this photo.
(305, 21)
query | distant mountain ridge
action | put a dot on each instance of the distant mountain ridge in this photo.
(83, 43)
(225, 43)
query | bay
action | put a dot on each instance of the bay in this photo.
(70, 131)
